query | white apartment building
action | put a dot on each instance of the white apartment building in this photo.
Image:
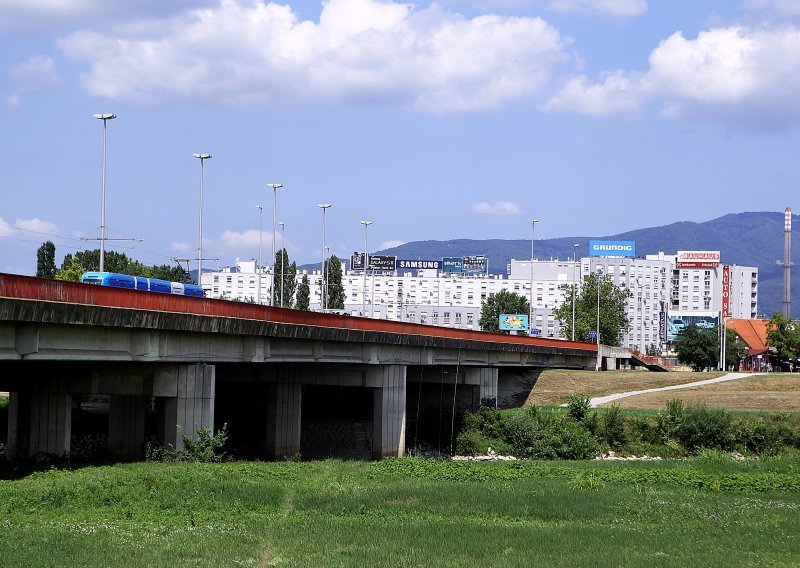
(662, 292)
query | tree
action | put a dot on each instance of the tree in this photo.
(613, 317)
(734, 348)
(333, 283)
(303, 295)
(698, 348)
(504, 302)
(71, 269)
(286, 274)
(784, 336)
(46, 260)
(167, 272)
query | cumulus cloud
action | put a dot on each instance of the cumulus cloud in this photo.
(245, 239)
(361, 51)
(734, 75)
(180, 248)
(6, 230)
(34, 74)
(618, 8)
(36, 225)
(496, 208)
(390, 244)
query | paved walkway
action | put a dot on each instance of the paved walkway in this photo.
(600, 400)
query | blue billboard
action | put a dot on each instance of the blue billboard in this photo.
(612, 248)
(453, 264)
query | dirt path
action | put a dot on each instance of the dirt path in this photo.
(601, 400)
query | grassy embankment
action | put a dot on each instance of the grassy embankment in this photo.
(776, 392)
(708, 511)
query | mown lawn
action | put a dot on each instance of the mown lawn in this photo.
(708, 511)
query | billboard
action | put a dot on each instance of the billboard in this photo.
(513, 322)
(697, 259)
(726, 291)
(453, 264)
(475, 265)
(612, 248)
(419, 264)
(677, 322)
(376, 262)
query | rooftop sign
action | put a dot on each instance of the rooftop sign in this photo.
(612, 248)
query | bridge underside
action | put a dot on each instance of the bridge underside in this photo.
(273, 411)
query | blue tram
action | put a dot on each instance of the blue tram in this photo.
(141, 283)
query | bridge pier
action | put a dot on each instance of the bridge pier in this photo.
(389, 410)
(39, 422)
(486, 380)
(189, 404)
(284, 417)
(126, 425)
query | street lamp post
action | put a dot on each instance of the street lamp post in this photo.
(283, 249)
(202, 158)
(366, 264)
(599, 358)
(533, 236)
(323, 299)
(574, 285)
(260, 240)
(105, 117)
(275, 187)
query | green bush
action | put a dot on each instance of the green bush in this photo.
(537, 434)
(704, 427)
(578, 406)
(669, 421)
(613, 427)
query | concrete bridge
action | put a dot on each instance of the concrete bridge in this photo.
(167, 365)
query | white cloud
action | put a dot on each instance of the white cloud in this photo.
(618, 8)
(6, 230)
(246, 239)
(618, 93)
(735, 75)
(36, 225)
(390, 244)
(496, 208)
(360, 51)
(34, 74)
(180, 248)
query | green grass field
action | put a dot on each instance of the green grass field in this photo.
(707, 511)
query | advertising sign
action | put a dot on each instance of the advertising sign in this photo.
(419, 264)
(474, 265)
(726, 291)
(612, 248)
(357, 261)
(662, 324)
(454, 264)
(697, 259)
(677, 322)
(513, 322)
(386, 263)
(376, 262)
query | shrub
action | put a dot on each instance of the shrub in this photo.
(207, 446)
(613, 427)
(669, 421)
(534, 433)
(704, 427)
(578, 406)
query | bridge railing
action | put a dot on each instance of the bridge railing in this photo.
(43, 289)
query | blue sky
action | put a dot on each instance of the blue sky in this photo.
(458, 119)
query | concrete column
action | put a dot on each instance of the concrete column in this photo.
(190, 402)
(126, 425)
(486, 379)
(50, 423)
(284, 415)
(19, 424)
(389, 411)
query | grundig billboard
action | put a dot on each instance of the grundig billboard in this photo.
(697, 259)
(612, 248)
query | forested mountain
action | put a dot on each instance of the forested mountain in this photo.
(748, 239)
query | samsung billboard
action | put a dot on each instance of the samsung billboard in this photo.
(404, 264)
(612, 248)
